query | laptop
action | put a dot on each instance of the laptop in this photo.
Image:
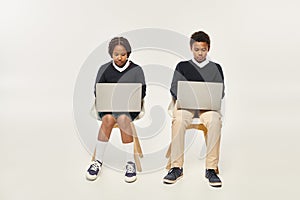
(118, 97)
(199, 95)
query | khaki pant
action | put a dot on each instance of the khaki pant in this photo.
(181, 120)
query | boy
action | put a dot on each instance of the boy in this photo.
(196, 69)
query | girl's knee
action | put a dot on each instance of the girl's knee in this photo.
(123, 120)
(108, 120)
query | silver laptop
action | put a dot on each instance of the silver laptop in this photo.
(199, 95)
(118, 97)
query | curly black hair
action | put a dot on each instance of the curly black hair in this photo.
(119, 41)
(200, 36)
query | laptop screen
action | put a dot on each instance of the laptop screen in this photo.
(118, 97)
(199, 95)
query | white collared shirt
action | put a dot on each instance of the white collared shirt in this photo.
(202, 64)
(121, 69)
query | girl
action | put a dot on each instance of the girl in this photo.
(119, 70)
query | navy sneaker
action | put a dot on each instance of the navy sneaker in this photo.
(173, 175)
(94, 170)
(130, 174)
(213, 178)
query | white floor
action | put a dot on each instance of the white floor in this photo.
(43, 158)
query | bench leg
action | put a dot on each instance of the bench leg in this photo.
(137, 145)
(94, 155)
(168, 152)
(138, 153)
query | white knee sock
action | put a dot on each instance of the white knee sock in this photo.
(100, 149)
(128, 148)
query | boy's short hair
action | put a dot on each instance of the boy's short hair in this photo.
(119, 41)
(200, 36)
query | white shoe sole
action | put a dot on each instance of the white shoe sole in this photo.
(171, 181)
(219, 184)
(90, 177)
(130, 179)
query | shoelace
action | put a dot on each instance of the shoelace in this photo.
(130, 168)
(94, 166)
(171, 170)
(212, 173)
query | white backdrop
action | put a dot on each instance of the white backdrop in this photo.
(44, 44)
